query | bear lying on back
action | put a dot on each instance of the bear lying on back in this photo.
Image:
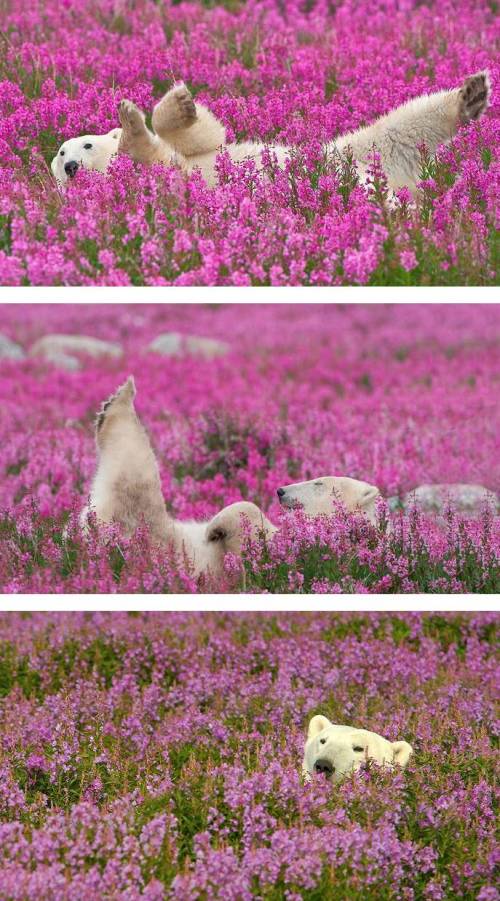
(188, 135)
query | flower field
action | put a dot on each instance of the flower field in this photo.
(159, 756)
(299, 72)
(396, 395)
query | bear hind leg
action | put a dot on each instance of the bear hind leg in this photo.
(190, 128)
(175, 110)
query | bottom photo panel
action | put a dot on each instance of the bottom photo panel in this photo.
(247, 756)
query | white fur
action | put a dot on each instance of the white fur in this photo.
(335, 751)
(189, 135)
(323, 495)
(192, 539)
(126, 489)
(430, 120)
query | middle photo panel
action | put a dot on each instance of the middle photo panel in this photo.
(253, 448)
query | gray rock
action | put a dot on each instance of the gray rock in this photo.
(62, 361)
(463, 498)
(59, 349)
(172, 344)
(9, 350)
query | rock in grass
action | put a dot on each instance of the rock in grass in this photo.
(62, 361)
(9, 350)
(462, 497)
(60, 349)
(172, 344)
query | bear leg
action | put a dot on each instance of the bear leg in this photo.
(175, 110)
(190, 128)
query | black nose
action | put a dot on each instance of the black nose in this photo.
(71, 168)
(280, 492)
(324, 766)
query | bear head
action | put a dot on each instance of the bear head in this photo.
(87, 152)
(335, 751)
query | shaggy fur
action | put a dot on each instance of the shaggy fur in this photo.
(335, 751)
(127, 490)
(187, 134)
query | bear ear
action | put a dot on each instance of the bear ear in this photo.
(402, 752)
(367, 494)
(221, 526)
(317, 724)
(216, 533)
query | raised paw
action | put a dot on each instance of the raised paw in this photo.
(473, 97)
(186, 108)
(175, 110)
(131, 118)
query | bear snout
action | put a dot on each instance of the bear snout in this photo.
(71, 168)
(324, 766)
(291, 503)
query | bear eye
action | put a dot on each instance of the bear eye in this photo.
(61, 153)
(322, 741)
(318, 483)
(87, 146)
(357, 748)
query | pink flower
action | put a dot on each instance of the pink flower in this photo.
(408, 259)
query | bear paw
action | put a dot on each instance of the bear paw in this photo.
(131, 118)
(473, 97)
(177, 109)
(186, 108)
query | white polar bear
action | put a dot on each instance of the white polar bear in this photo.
(126, 489)
(187, 134)
(335, 751)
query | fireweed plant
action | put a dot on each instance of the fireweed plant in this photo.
(398, 395)
(158, 755)
(298, 73)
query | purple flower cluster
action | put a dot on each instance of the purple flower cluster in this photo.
(344, 554)
(396, 395)
(298, 73)
(159, 756)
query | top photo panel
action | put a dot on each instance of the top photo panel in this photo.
(248, 144)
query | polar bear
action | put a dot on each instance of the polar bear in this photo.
(126, 489)
(188, 135)
(335, 751)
